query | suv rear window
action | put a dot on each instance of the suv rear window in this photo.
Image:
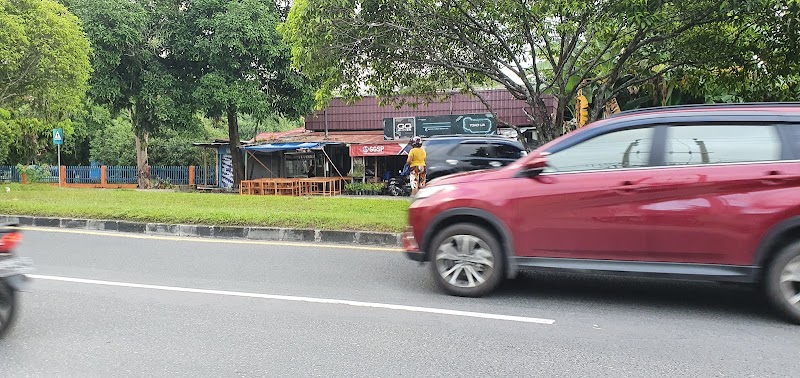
(506, 151)
(481, 150)
(706, 144)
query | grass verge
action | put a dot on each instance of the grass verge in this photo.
(204, 208)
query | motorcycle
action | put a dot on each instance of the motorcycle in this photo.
(12, 275)
(400, 186)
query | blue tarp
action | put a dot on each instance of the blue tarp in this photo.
(272, 147)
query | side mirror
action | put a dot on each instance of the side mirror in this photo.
(535, 166)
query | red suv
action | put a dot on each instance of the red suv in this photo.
(706, 192)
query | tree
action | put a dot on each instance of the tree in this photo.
(44, 69)
(31, 135)
(8, 133)
(87, 122)
(532, 48)
(755, 57)
(114, 144)
(751, 57)
(132, 73)
(45, 56)
(238, 63)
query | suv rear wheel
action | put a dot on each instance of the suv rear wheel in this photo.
(783, 282)
(467, 260)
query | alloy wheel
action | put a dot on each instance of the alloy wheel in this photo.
(790, 282)
(464, 261)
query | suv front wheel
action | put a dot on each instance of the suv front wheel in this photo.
(783, 282)
(467, 260)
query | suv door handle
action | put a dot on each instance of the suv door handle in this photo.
(627, 187)
(775, 178)
(452, 162)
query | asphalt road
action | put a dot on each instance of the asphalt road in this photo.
(222, 309)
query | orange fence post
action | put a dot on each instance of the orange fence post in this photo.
(191, 175)
(103, 176)
(24, 178)
(63, 176)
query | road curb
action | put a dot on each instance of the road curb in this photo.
(218, 232)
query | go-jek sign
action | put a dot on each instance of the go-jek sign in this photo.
(389, 149)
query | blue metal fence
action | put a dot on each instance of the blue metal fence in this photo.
(174, 175)
(121, 174)
(53, 176)
(9, 173)
(205, 176)
(81, 175)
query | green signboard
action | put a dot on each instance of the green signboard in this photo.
(428, 126)
(58, 137)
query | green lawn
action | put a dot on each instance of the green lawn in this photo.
(204, 208)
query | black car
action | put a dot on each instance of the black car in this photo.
(454, 154)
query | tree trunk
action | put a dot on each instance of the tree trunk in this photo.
(142, 166)
(552, 128)
(598, 107)
(558, 120)
(236, 152)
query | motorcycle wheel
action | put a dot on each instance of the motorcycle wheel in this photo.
(8, 308)
(395, 191)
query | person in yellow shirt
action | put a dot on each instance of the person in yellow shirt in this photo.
(416, 162)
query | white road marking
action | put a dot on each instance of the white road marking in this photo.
(195, 239)
(290, 298)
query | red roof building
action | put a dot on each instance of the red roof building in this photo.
(368, 114)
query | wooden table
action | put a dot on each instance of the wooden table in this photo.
(324, 186)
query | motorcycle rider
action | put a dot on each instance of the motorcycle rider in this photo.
(416, 162)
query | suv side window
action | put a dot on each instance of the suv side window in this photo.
(615, 150)
(706, 144)
(436, 148)
(792, 133)
(479, 150)
(506, 151)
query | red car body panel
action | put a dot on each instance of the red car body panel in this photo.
(698, 214)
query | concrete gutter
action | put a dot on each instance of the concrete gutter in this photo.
(219, 232)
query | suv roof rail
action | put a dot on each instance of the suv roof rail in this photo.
(714, 106)
(467, 136)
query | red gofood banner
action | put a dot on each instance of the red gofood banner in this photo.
(388, 149)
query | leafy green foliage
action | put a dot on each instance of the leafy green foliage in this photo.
(364, 187)
(114, 144)
(34, 173)
(30, 136)
(44, 69)
(753, 57)
(172, 147)
(45, 57)
(535, 49)
(8, 133)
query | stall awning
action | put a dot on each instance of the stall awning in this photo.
(272, 147)
(379, 149)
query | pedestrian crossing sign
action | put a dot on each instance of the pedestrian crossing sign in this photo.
(58, 136)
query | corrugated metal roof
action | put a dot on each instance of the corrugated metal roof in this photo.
(261, 137)
(366, 114)
(358, 137)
